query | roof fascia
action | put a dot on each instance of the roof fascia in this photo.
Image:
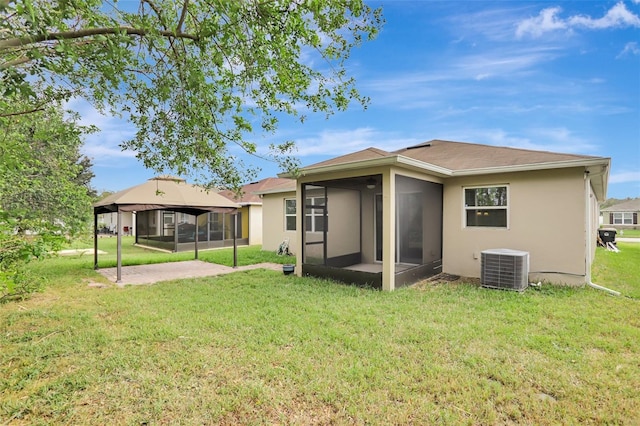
(533, 167)
(377, 162)
(598, 166)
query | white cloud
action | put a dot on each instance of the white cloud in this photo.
(103, 147)
(625, 177)
(630, 48)
(339, 142)
(548, 20)
(617, 16)
(539, 139)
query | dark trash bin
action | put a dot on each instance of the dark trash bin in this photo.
(607, 235)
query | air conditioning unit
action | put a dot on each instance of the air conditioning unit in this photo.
(505, 269)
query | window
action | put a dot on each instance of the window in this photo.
(486, 206)
(623, 218)
(290, 214)
(314, 214)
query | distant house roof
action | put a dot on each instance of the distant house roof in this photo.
(449, 159)
(251, 192)
(165, 193)
(625, 206)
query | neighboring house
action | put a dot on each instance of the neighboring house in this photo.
(623, 215)
(279, 215)
(389, 219)
(107, 223)
(250, 201)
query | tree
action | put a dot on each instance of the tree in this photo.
(45, 192)
(193, 76)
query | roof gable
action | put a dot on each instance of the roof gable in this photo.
(366, 154)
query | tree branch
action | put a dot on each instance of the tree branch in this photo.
(14, 63)
(88, 32)
(11, 114)
(182, 16)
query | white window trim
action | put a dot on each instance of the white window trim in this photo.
(623, 218)
(507, 207)
(294, 214)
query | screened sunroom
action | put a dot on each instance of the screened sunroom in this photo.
(178, 231)
(357, 229)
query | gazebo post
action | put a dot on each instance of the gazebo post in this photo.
(196, 237)
(119, 249)
(235, 239)
(95, 240)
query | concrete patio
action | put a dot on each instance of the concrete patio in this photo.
(150, 274)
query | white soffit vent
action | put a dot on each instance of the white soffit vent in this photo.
(505, 269)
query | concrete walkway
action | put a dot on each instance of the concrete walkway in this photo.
(150, 274)
(628, 240)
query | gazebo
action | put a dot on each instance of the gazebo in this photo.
(162, 195)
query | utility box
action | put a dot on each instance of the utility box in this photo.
(505, 269)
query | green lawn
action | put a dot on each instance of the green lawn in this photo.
(629, 233)
(133, 255)
(258, 347)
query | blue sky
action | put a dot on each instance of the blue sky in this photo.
(552, 75)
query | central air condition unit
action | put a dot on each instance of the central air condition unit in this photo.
(505, 269)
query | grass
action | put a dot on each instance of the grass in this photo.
(134, 255)
(629, 233)
(258, 347)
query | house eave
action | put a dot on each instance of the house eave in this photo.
(396, 160)
(533, 167)
(597, 167)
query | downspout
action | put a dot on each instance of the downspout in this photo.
(588, 220)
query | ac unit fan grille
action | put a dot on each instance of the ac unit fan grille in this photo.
(505, 269)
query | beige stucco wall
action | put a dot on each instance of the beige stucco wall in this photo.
(343, 215)
(273, 232)
(547, 218)
(255, 224)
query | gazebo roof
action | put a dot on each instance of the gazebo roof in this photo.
(166, 193)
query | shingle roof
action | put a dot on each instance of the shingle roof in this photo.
(625, 206)
(466, 156)
(459, 156)
(251, 191)
(365, 154)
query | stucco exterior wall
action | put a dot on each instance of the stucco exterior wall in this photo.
(255, 224)
(343, 215)
(546, 217)
(273, 221)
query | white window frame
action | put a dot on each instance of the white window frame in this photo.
(314, 214)
(286, 215)
(622, 218)
(465, 208)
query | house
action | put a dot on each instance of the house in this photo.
(388, 219)
(107, 223)
(251, 206)
(623, 215)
